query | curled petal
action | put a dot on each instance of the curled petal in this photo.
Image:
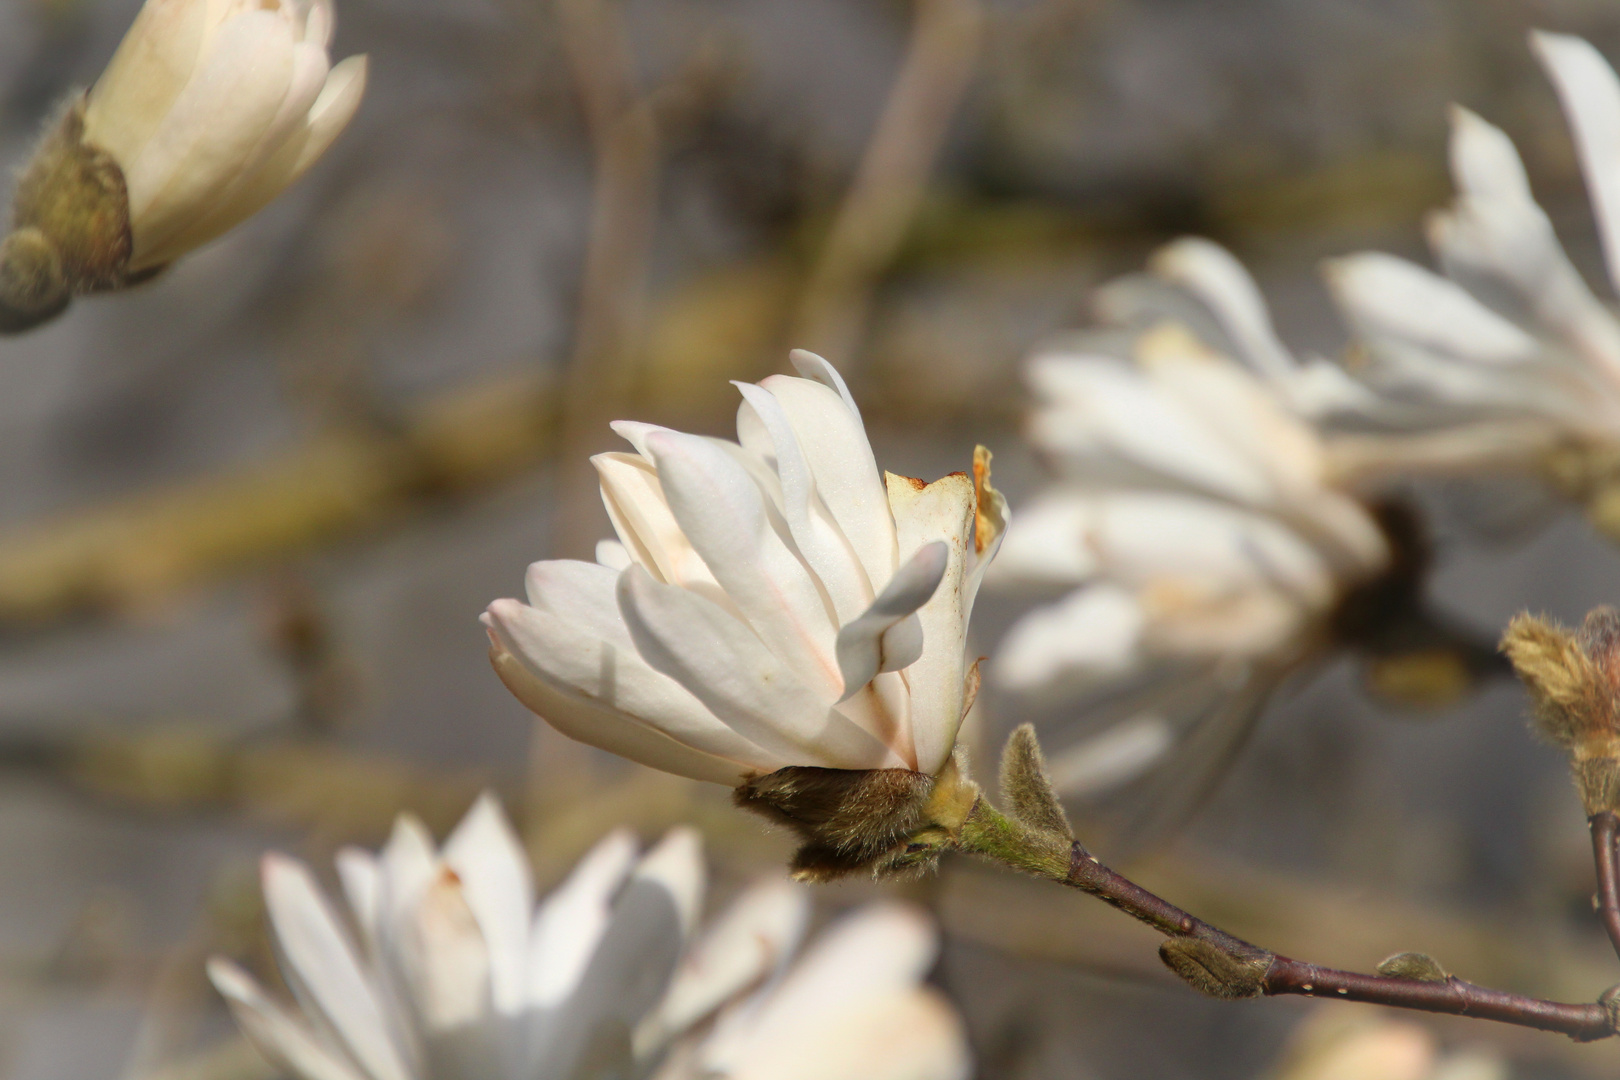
(887, 636)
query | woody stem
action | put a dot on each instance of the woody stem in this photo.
(1227, 966)
(1605, 827)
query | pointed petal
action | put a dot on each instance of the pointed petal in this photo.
(610, 673)
(570, 923)
(636, 503)
(885, 637)
(1212, 274)
(813, 367)
(446, 959)
(597, 725)
(720, 661)
(945, 511)
(1093, 633)
(846, 474)
(1590, 93)
(1388, 297)
(283, 1038)
(723, 514)
(487, 855)
(323, 966)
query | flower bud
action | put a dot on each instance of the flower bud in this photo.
(208, 111)
(1574, 685)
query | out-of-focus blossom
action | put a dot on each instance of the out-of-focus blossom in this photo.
(1194, 514)
(457, 972)
(208, 110)
(1508, 359)
(1335, 1046)
(772, 602)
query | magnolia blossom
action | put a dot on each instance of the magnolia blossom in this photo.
(1509, 354)
(457, 973)
(773, 601)
(211, 108)
(1194, 516)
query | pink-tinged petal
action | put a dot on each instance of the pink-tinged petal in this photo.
(498, 888)
(752, 942)
(1590, 94)
(723, 514)
(1216, 277)
(211, 130)
(571, 921)
(285, 1040)
(323, 966)
(887, 636)
(611, 674)
(745, 684)
(923, 514)
(587, 721)
(846, 474)
(818, 538)
(1094, 633)
(144, 77)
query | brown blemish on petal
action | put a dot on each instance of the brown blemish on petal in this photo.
(916, 483)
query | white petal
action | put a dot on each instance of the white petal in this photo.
(941, 511)
(212, 129)
(1390, 297)
(144, 77)
(323, 966)
(612, 554)
(487, 855)
(1115, 757)
(610, 673)
(725, 666)
(1048, 541)
(1211, 273)
(1092, 633)
(813, 367)
(724, 516)
(597, 725)
(886, 637)
(816, 535)
(908, 1035)
(753, 939)
(636, 504)
(362, 877)
(847, 476)
(572, 920)
(446, 959)
(1591, 97)
(1104, 420)
(280, 1036)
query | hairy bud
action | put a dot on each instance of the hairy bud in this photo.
(1574, 684)
(882, 820)
(1211, 970)
(1026, 787)
(1413, 965)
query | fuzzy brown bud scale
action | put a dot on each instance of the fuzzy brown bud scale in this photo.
(70, 228)
(879, 820)
(1573, 678)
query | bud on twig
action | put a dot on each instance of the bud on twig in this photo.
(1574, 685)
(1026, 787)
(1414, 965)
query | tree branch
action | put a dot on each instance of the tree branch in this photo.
(1225, 966)
(1604, 829)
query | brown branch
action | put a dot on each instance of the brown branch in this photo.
(1223, 965)
(1605, 827)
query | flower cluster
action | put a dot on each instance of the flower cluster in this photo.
(208, 111)
(1194, 515)
(458, 973)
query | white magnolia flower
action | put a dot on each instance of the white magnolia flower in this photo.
(211, 108)
(1509, 354)
(775, 601)
(1194, 515)
(457, 973)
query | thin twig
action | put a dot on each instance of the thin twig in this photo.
(1224, 965)
(1605, 827)
(888, 187)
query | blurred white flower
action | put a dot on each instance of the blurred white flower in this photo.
(211, 108)
(773, 602)
(458, 974)
(1509, 355)
(1195, 516)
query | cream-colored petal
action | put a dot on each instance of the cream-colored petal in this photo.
(498, 889)
(1090, 635)
(887, 636)
(145, 76)
(1590, 94)
(285, 1040)
(1216, 277)
(923, 514)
